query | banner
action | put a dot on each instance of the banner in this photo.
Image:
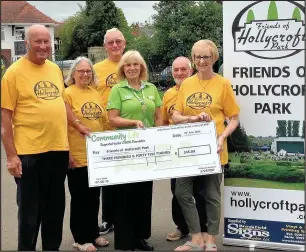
(264, 47)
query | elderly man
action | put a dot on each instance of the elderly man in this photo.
(37, 147)
(114, 44)
(181, 69)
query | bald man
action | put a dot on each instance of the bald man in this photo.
(37, 147)
(181, 69)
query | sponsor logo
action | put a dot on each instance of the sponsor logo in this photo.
(91, 111)
(46, 90)
(247, 232)
(270, 30)
(111, 80)
(199, 100)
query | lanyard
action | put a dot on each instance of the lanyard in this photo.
(142, 101)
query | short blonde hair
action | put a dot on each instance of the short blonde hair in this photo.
(206, 43)
(70, 80)
(132, 56)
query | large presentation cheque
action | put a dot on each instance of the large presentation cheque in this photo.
(125, 156)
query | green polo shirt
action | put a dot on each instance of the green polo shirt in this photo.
(124, 98)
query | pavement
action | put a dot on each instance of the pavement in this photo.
(161, 218)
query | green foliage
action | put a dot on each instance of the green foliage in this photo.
(295, 128)
(283, 163)
(289, 128)
(272, 12)
(125, 29)
(250, 16)
(303, 130)
(296, 14)
(179, 24)
(266, 172)
(238, 140)
(281, 128)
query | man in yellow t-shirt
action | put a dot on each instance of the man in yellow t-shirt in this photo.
(37, 148)
(114, 44)
(181, 69)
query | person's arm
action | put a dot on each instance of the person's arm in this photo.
(232, 125)
(118, 122)
(178, 118)
(13, 161)
(75, 123)
(158, 117)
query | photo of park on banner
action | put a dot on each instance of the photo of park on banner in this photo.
(264, 187)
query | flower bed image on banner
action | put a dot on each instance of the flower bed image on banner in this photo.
(264, 46)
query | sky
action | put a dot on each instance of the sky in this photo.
(134, 11)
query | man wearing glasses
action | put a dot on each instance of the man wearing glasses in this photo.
(114, 44)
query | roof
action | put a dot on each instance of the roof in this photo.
(23, 12)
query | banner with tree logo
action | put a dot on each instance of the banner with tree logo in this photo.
(264, 46)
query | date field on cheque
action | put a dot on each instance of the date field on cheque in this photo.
(194, 150)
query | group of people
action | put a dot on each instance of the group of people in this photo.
(44, 125)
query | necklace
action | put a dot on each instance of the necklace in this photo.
(206, 82)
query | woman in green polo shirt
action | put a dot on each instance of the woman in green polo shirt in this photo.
(133, 103)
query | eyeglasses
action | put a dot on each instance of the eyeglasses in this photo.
(205, 58)
(117, 42)
(82, 72)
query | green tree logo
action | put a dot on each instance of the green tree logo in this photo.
(272, 12)
(250, 16)
(296, 14)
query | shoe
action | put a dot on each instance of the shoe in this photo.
(144, 245)
(105, 228)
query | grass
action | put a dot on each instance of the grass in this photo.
(258, 183)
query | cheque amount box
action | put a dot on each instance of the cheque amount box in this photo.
(194, 150)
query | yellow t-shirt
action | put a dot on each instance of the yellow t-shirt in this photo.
(34, 94)
(169, 100)
(107, 75)
(87, 106)
(214, 97)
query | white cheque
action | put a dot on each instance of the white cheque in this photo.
(125, 156)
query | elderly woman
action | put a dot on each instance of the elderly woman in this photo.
(202, 97)
(133, 103)
(85, 103)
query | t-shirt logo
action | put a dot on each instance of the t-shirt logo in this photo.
(91, 111)
(46, 90)
(111, 80)
(199, 100)
(170, 110)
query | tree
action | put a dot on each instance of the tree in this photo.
(238, 140)
(281, 128)
(179, 24)
(125, 29)
(303, 130)
(295, 128)
(289, 128)
(67, 32)
(101, 16)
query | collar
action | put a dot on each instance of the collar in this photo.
(125, 83)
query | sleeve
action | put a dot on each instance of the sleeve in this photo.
(105, 121)
(179, 105)
(67, 97)
(9, 93)
(230, 105)
(158, 101)
(114, 99)
(164, 109)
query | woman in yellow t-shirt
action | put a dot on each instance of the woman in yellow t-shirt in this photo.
(86, 105)
(203, 97)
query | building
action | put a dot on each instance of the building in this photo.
(288, 144)
(16, 17)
